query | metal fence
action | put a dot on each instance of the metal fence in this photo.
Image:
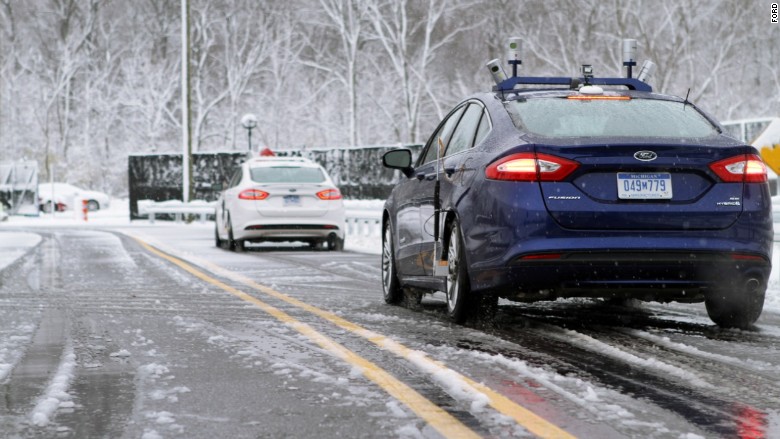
(19, 187)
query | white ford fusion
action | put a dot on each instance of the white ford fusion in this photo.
(280, 199)
(67, 196)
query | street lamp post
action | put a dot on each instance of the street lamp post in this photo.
(185, 103)
(249, 121)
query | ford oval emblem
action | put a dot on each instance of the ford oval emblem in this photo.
(645, 156)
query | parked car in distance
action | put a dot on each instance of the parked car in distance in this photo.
(550, 188)
(280, 199)
(66, 196)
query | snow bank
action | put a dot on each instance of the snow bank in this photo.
(13, 245)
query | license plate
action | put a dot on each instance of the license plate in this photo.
(639, 186)
(292, 200)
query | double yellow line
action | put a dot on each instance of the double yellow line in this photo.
(438, 418)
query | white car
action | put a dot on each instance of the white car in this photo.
(280, 199)
(66, 196)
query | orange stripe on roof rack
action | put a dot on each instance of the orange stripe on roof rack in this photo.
(599, 98)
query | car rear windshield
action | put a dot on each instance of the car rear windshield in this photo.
(562, 117)
(287, 174)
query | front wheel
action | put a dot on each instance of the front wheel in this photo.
(737, 306)
(390, 284)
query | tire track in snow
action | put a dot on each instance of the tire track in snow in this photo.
(600, 354)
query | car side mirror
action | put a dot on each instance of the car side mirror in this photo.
(399, 159)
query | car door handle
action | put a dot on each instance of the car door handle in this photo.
(421, 176)
(449, 171)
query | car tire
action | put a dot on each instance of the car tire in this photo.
(391, 287)
(462, 303)
(458, 288)
(217, 240)
(236, 245)
(335, 243)
(93, 205)
(736, 306)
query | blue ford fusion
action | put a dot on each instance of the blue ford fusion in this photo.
(547, 188)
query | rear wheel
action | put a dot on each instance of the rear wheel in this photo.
(236, 245)
(736, 306)
(335, 243)
(462, 303)
(93, 205)
(217, 240)
(390, 284)
(458, 287)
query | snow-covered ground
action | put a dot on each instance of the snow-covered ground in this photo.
(15, 245)
(363, 234)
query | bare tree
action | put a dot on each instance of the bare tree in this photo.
(246, 47)
(337, 53)
(411, 40)
(208, 88)
(62, 46)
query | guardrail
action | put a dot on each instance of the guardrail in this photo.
(360, 220)
(176, 208)
(364, 223)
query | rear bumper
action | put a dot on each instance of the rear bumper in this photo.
(282, 232)
(642, 274)
(249, 225)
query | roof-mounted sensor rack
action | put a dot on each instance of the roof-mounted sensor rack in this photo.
(507, 84)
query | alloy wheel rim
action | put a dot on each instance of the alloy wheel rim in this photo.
(453, 288)
(387, 267)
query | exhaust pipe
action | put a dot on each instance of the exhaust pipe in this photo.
(752, 285)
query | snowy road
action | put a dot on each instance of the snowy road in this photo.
(154, 333)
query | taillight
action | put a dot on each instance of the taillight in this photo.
(746, 257)
(253, 194)
(526, 166)
(542, 257)
(329, 194)
(748, 168)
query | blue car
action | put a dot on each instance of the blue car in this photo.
(551, 188)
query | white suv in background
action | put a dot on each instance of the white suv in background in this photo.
(280, 199)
